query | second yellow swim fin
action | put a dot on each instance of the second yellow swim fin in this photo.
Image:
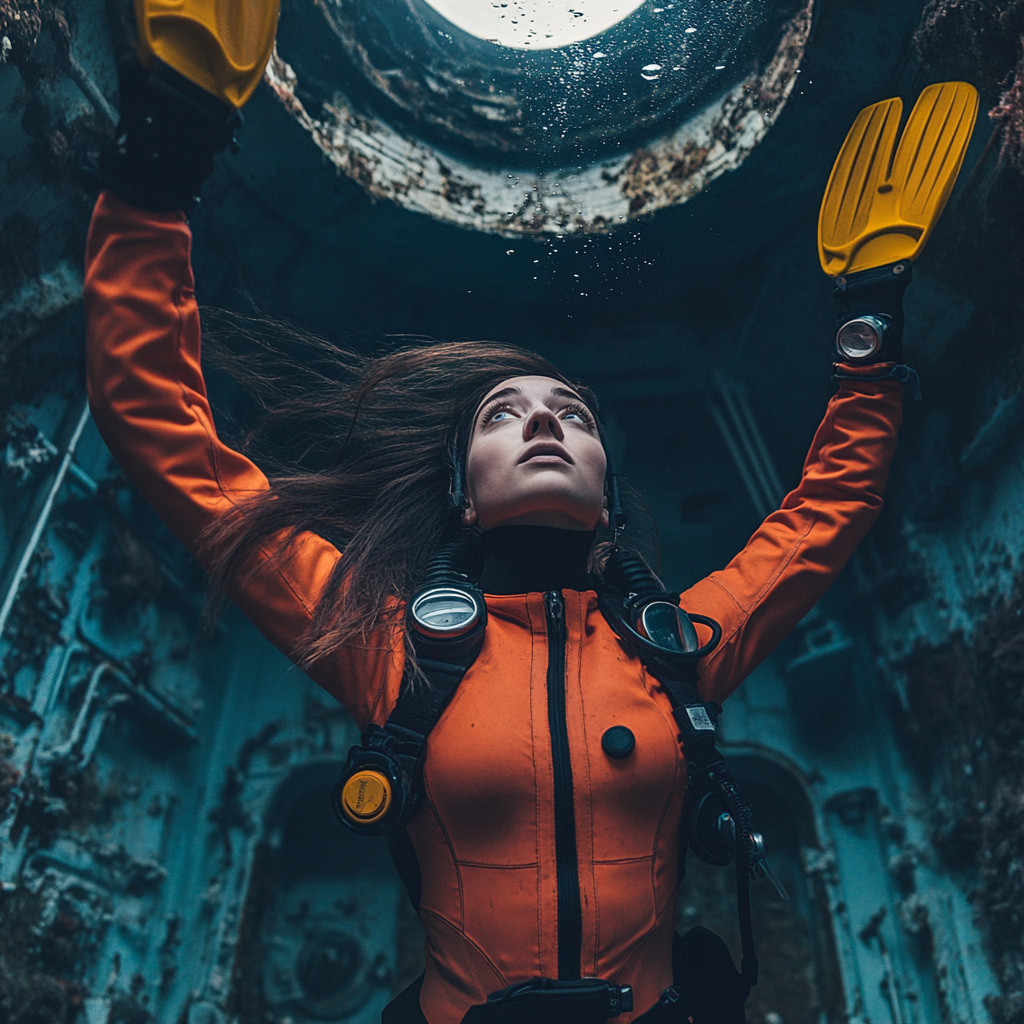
(221, 45)
(881, 206)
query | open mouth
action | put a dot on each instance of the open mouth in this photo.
(542, 453)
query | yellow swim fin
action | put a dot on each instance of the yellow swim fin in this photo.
(221, 45)
(880, 207)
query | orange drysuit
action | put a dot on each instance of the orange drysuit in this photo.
(485, 837)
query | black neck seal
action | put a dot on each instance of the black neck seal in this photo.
(534, 559)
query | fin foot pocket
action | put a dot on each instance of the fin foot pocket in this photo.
(221, 45)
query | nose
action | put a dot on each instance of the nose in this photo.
(542, 421)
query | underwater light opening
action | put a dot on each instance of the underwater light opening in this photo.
(534, 24)
(640, 116)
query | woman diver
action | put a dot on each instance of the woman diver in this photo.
(545, 843)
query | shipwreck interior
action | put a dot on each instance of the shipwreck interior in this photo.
(635, 198)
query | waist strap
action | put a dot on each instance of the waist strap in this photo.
(588, 1001)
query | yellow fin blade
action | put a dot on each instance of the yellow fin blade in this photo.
(880, 207)
(860, 169)
(932, 150)
(221, 45)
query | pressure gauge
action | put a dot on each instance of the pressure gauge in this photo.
(445, 612)
(667, 626)
(861, 339)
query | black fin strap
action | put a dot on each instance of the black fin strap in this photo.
(906, 375)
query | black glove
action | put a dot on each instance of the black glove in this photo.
(869, 314)
(163, 148)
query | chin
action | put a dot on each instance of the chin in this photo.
(559, 516)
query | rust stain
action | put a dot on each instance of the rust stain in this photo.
(653, 179)
(456, 190)
(388, 164)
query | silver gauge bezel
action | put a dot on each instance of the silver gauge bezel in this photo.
(686, 632)
(430, 629)
(876, 324)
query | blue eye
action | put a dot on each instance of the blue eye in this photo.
(492, 414)
(578, 412)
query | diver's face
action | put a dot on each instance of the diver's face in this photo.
(535, 459)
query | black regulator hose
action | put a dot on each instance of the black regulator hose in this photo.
(457, 561)
(628, 573)
(443, 565)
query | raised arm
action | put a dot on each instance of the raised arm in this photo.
(798, 551)
(148, 398)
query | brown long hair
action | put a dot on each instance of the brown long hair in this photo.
(356, 445)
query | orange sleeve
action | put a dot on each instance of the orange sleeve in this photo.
(798, 551)
(148, 398)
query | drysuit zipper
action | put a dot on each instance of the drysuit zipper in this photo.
(570, 914)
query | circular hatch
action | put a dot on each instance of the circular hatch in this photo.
(568, 117)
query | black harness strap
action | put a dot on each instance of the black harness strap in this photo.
(381, 785)
(420, 704)
(698, 723)
(418, 709)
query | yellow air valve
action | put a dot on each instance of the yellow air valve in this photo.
(366, 797)
(221, 45)
(880, 206)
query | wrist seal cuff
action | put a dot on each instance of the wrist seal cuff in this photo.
(906, 375)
